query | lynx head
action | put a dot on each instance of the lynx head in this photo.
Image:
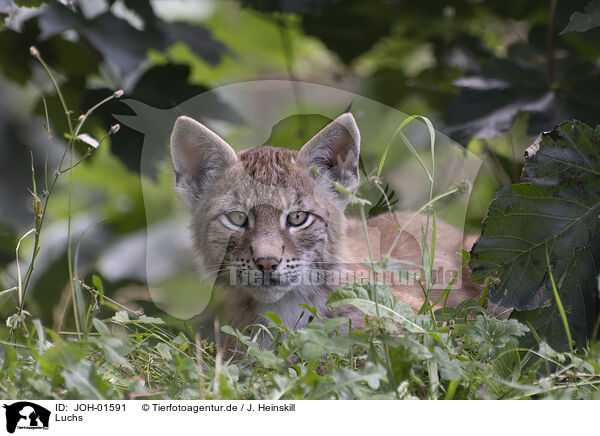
(263, 221)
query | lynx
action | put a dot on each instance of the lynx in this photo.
(268, 225)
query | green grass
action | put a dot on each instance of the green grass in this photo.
(448, 353)
(122, 357)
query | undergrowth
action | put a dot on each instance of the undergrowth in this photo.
(127, 357)
(437, 353)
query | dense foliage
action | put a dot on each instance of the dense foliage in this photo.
(79, 321)
(125, 357)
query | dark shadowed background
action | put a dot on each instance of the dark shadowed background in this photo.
(491, 75)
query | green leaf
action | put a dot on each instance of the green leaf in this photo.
(8, 356)
(40, 334)
(349, 28)
(106, 33)
(449, 368)
(61, 355)
(579, 22)
(362, 296)
(556, 205)
(82, 378)
(386, 202)
(545, 321)
(266, 357)
(121, 316)
(97, 282)
(349, 384)
(114, 351)
(164, 351)
(189, 367)
(318, 339)
(274, 318)
(405, 353)
(149, 320)
(492, 96)
(311, 309)
(41, 385)
(101, 327)
(295, 131)
(31, 3)
(492, 334)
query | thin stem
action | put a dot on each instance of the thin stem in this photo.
(57, 88)
(376, 298)
(218, 358)
(425, 206)
(69, 245)
(364, 223)
(116, 303)
(87, 154)
(80, 161)
(47, 128)
(72, 137)
(388, 204)
(559, 304)
(399, 132)
(18, 268)
(550, 41)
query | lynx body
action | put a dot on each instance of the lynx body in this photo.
(271, 231)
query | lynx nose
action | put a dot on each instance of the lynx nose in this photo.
(266, 264)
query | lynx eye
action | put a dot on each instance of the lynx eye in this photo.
(237, 218)
(297, 218)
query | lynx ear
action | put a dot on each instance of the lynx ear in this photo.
(334, 151)
(198, 155)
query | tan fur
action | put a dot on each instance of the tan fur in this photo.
(266, 184)
(383, 231)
